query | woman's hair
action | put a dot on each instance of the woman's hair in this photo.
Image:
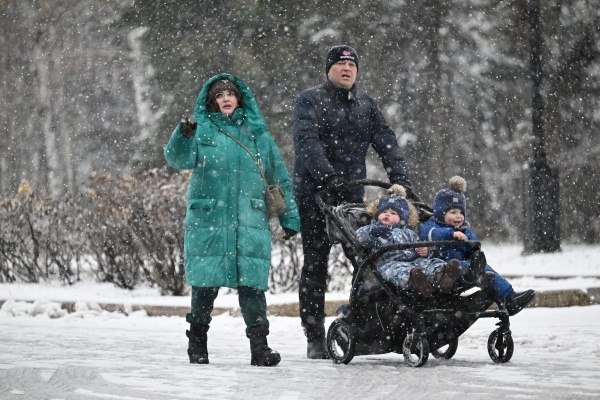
(218, 87)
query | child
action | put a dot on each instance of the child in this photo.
(409, 268)
(448, 223)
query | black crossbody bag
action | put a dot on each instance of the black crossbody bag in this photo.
(274, 197)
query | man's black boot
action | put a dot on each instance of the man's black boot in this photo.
(317, 349)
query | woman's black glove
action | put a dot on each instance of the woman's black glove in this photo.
(187, 128)
(288, 234)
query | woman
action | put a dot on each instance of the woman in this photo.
(227, 234)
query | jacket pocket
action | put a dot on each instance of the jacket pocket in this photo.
(254, 216)
(258, 204)
(201, 212)
(206, 205)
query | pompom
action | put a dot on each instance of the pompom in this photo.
(398, 190)
(24, 189)
(458, 184)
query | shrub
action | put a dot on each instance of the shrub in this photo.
(122, 230)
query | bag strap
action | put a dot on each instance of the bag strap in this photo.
(255, 158)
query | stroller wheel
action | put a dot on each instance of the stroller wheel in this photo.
(446, 351)
(500, 346)
(415, 349)
(341, 342)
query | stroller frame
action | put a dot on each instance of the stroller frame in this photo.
(384, 319)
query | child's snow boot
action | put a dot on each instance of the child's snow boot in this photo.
(197, 349)
(417, 281)
(447, 275)
(262, 354)
(516, 301)
(343, 310)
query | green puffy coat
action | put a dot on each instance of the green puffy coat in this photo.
(227, 234)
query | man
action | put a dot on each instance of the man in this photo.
(333, 125)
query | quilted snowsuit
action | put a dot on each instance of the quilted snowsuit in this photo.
(394, 266)
(433, 229)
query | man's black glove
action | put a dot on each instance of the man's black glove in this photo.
(288, 234)
(187, 128)
(336, 191)
(336, 185)
(381, 231)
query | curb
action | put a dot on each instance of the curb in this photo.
(550, 299)
(566, 298)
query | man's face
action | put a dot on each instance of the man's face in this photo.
(343, 74)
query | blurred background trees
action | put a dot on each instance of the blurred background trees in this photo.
(98, 86)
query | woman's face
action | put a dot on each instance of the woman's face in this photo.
(227, 102)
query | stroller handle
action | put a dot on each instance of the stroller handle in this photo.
(328, 209)
(416, 200)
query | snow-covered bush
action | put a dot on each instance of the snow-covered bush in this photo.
(134, 228)
(39, 239)
(121, 230)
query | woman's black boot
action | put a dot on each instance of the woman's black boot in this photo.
(197, 349)
(262, 354)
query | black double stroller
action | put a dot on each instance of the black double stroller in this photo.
(383, 319)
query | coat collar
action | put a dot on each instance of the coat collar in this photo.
(340, 93)
(237, 118)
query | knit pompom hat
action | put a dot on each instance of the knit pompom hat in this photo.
(395, 199)
(451, 197)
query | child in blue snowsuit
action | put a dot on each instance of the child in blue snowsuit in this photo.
(409, 268)
(448, 223)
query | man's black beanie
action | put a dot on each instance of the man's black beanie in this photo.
(339, 53)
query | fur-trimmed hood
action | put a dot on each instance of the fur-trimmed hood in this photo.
(249, 110)
(395, 194)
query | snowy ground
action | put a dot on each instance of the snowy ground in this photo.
(93, 354)
(110, 356)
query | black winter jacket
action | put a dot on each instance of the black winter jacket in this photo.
(333, 129)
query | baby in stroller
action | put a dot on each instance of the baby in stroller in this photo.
(410, 268)
(401, 300)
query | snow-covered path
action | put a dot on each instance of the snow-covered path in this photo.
(111, 356)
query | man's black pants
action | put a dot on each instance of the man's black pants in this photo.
(313, 278)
